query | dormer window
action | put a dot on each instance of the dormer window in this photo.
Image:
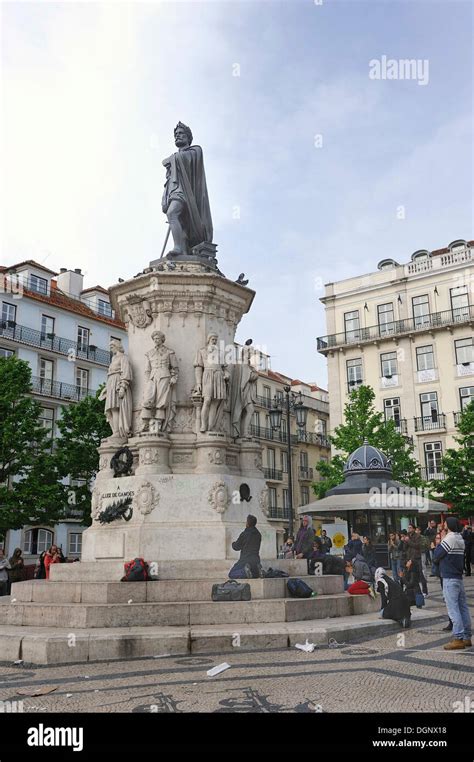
(104, 308)
(387, 264)
(420, 256)
(40, 285)
(458, 244)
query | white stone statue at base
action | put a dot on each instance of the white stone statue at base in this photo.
(212, 378)
(161, 374)
(117, 392)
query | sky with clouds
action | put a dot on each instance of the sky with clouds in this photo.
(308, 159)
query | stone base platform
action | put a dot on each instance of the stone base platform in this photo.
(51, 645)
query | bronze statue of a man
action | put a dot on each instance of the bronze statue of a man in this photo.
(185, 200)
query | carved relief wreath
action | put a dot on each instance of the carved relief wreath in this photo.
(219, 497)
(146, 499)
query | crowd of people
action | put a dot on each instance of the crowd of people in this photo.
(13, 569)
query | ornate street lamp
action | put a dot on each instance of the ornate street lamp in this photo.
(294, 403)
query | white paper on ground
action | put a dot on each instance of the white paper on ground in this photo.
(220, 668)
(308, 647)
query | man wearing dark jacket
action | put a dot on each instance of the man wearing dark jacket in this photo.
(450, 555)
(468, 543)
(304, 539)
(249, 545)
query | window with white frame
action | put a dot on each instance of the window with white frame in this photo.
(421, 310)
(425, 357)
(46, 419)
(37, 540)
(392, 410)
(104, 308)
(352, 325)
(354, 372)
(8, 315)
(464, 351)
(433, 457)
(303, 459)
(386, 318)
(75, 543)
(82, 338)
(459, 302)
(46, 369)
(271, 458)
(47, 327)
(466, 395)
(82, 382)
(429, 407)
(388, 362)
(6, 352)
(272, 497)
(40, 285)
(284, 461)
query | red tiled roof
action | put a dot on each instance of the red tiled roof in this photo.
(31, 263)
(95, 288)
(437, 252)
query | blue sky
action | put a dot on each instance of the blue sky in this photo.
(91, 94)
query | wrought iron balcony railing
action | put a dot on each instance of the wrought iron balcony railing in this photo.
(400, 425)
(49, 341)
(273, 475)
(431, 473)
(308, 437)
(428, 423)
(59, 390)
(306, 474)
(420, 323)
(270, 434)
(279, 512)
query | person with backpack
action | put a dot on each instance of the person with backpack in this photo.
(248, 543)
(363, 579)
(395, 603)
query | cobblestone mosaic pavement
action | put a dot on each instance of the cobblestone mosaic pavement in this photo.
(402, 671)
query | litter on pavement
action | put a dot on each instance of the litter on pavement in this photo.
(308, 647)
(216, 670)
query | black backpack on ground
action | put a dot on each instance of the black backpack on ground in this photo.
(333, 565)
(299, 589)
(231, 591)
(271, 573)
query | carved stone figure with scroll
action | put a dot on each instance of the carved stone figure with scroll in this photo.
(212, 379)
(161, 376)
(117, 392)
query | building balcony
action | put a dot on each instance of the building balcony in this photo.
(430, 423)
(59, 390)
(431, 473)
(404, 327)
(274, 436)
(52, 343)
(266, 402)
(309, 437)
(279, 512)
(272, 475)
(305, 474)
(400, 425)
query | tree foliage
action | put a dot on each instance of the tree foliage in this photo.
(30, 487)
(457, 487)
(361, 421)
(81, 427)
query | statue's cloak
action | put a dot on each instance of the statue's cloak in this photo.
(186, 180)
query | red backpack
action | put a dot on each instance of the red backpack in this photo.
(135, 571)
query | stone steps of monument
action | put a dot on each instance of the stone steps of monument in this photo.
(83, 615)
(170, 591)
(112, 571)
(51, 645)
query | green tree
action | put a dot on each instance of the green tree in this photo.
(361, 420)
(457, 487)
(81, 427)
(30, 488)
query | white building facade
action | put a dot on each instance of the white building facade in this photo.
(406, 330)
(63, 331)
